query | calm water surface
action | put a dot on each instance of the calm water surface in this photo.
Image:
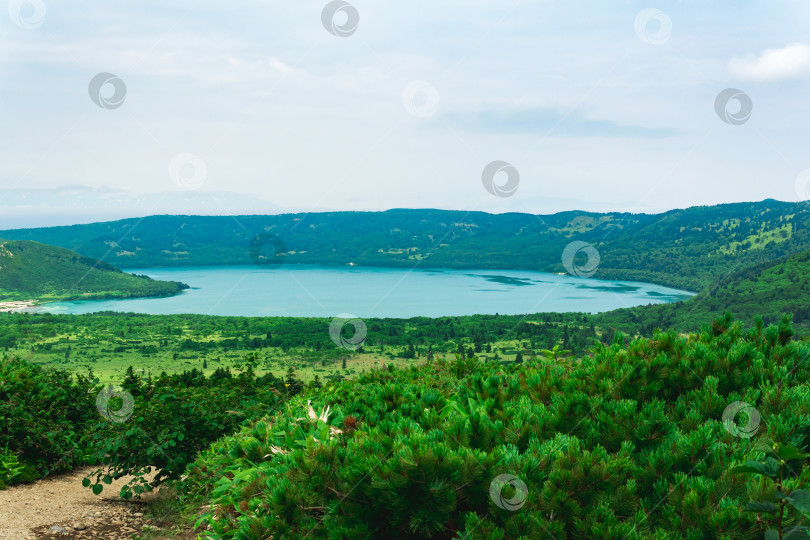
(314, 291)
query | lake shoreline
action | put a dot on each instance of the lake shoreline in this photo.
(15, 306)
(30, 306)
(326, 291)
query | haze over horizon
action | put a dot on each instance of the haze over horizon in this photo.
(210, 204)
(263, 108)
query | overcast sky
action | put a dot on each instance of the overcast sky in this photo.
(234, 107)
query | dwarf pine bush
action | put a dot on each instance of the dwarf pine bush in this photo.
(627, 442)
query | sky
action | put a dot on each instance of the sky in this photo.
(131, 108)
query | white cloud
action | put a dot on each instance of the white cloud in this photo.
(773, 64)
(277, 106)
(275, 63)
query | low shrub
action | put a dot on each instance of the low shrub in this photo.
(44, 419)
(170, 420)
(628, 442)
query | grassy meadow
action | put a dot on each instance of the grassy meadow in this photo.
(109, 344)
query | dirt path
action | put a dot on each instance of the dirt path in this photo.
(35, 510)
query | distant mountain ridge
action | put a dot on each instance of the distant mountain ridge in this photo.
(31, 270)
(688, 248)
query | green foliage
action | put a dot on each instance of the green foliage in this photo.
(11, 469)
(30, 270)
(44, 417)
(627, 442)
(172, 419)
(112, 342)
(767, 289)
(778, 466)
(554, 353)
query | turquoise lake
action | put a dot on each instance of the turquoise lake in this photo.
(316, 291)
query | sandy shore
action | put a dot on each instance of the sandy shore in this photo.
(7, 307)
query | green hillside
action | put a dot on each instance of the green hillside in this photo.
(688, 248)
(30, 270)
(767, 289)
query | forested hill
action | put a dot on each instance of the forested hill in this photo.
(30, 270)
(769, 290)
(688, 248)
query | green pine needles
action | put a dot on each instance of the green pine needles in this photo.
(629, 441)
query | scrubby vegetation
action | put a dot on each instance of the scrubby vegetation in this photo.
(44, 418)
(111, 342)
(626, 442)
(631, 439)
(172, 418)
(52, 420)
